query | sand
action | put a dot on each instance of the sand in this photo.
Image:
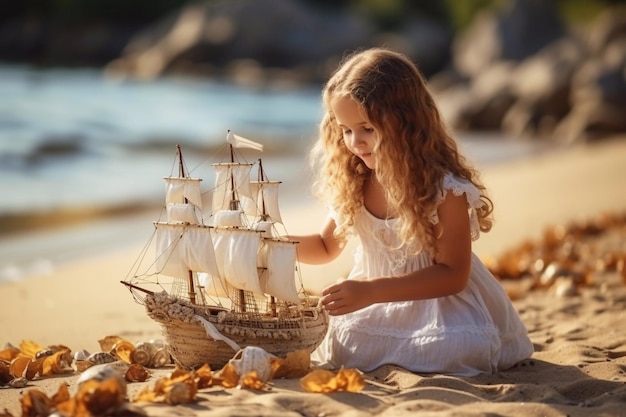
(578, 369)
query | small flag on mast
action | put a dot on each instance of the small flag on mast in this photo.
(239, 142)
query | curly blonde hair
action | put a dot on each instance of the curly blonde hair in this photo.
(413, 149)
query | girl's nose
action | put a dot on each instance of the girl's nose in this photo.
(356, 140)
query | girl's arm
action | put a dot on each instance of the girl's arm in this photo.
(448, 275)
(319, 248)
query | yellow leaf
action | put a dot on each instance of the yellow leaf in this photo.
(204, 377)
(295, 365)
(29, 348)
(55, 363)
(321, 380)
(227, 376)
(251, 380)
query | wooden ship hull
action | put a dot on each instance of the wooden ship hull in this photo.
(191, 346)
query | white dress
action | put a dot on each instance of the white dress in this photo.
(474, 331)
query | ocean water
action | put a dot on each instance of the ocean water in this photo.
(73, 138)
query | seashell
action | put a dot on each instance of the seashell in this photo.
(143, 353)
(160, 357)
(100, 358)
(43, 353)
(253, 358)
(18, 382)
(123, 349)
(158, 343)
(565, 288)
(105, 371)
(136, 373)
(81, 355)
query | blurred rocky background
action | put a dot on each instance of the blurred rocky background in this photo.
(542, 69)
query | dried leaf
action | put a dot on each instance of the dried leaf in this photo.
(350, 380)
(227, 376)
(57, 363)
(321, 380)
(179, 388)
(204, 377)
(62, 394)
(100, 397)
(295, 365)
(19, 366)
(106, 344)
(147, 396)
(29, 348)
(35, 369)
(9, 353)
(36, 403)
(5, 373)
(251, 380)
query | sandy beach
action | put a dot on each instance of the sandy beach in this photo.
(578, 369)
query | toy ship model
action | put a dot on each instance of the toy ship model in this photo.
(230, 281)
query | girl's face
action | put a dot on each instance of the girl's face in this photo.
(358, 134)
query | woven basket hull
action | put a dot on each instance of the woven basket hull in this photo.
(190, 346)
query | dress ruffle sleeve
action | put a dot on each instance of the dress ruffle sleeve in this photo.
(460, 186)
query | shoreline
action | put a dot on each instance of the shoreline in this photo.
(577, 368)
(37, 242)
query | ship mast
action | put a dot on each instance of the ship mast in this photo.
(234, 205)
(261, 179)
(182, 174)
(264, 218)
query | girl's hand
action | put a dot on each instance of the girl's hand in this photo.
(347, 296)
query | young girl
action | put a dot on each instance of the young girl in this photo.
(417, 296)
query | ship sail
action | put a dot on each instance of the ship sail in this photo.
(232, 181)
(277, 279)
(264, 201)
(182, 248)
(238, 250)
(183, 200)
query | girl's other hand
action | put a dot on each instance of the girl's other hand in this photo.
(347, 296)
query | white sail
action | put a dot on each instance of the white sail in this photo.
(178, 189)
(241, 142)
(182, 213)
(227, 175)
(236, 251)
(182, 248)
(228, 218)
(214, 285)
(278, 279)
(264, 200)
